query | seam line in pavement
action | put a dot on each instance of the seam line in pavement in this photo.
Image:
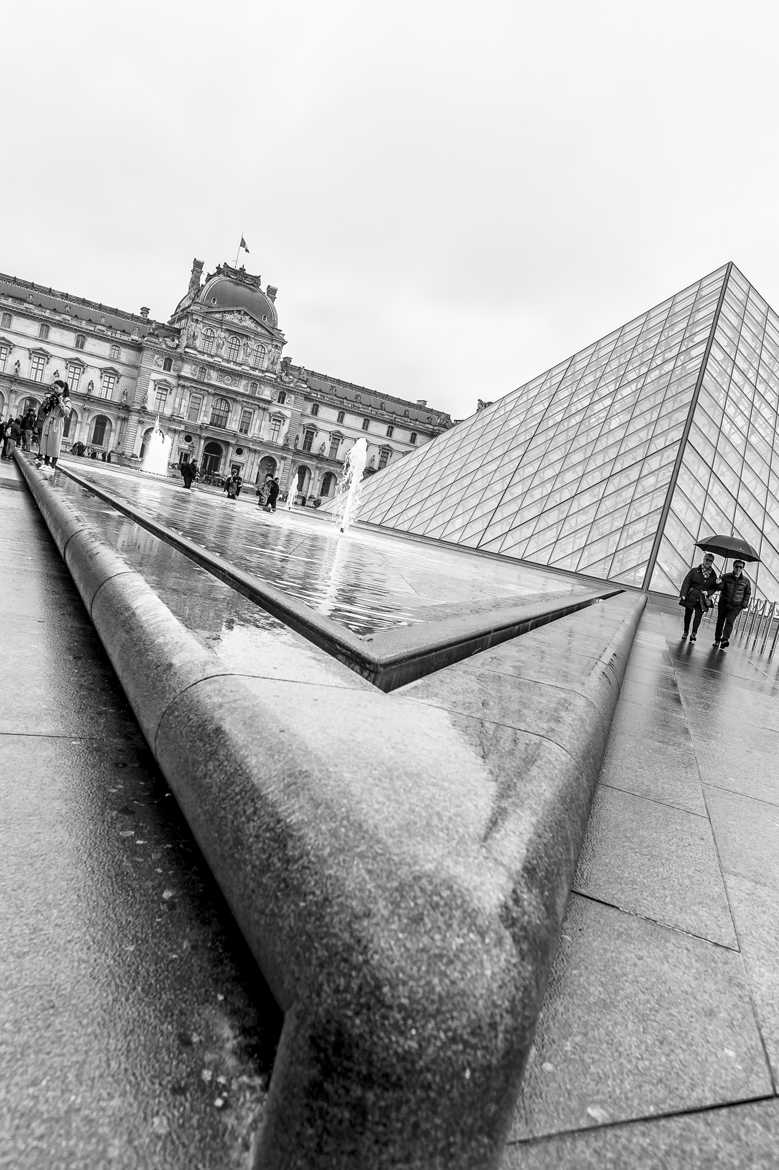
(657, 922)
(624, 1122)
(746, 795)
(653, 800)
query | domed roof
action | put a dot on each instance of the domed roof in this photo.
(224, 292)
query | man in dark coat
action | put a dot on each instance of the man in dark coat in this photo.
(188, 473)
(735, 592)
(273, 495)
(699, 583)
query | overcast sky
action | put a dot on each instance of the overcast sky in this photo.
(451, 197)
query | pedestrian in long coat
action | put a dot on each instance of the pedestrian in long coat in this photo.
(55, 408)
(735, 592)
(695, 593)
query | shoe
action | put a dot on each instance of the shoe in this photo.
(692, 638)
(715, 643)
(684, 637)
(724, 644)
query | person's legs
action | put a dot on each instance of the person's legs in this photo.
(696, 621)
(721, 613)
(727, 628)
(687, 619)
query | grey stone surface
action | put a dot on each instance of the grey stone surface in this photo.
(738, 1137)
(638, 1019)
(755, 914)
(37, 652)
(747, 833)
(656, 861)
(129, 1004)
(667, 771)
(403, 906)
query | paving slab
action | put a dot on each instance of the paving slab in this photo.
(755, 915)
(660, 862)
(747, 833)
(737, 1137)
(638, 1019)
(671, 777)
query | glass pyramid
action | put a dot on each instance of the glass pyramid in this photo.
(617, 460)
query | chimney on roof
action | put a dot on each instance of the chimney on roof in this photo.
(421, 402)
(145, 312)
(271, 291)
(195, 275)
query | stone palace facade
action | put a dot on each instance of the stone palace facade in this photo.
(213, 375)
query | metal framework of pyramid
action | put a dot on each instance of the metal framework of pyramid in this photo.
(616, 461)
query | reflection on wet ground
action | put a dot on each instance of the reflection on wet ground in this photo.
(366, 581)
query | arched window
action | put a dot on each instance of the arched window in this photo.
(99, 428)
(80, 341)
(259, 357)
(208, 340)
(328, 485)
(308, 438)
(233, 348)
(114, 354)
(202, 373)
(335, 443)
(281, 397)
(220, 412)
(167, 364)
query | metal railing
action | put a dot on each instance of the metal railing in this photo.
(758, 625)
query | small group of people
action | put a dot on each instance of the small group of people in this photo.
(696, 593)
(42, 429)
(268, 493)
(233, 484)
(20, 431)
(82, 450)
(189, 473)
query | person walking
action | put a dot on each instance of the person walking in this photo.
(13, 435)
(735, 592)
(695, 593)
(55, 408)
(232, 486)
(28, 426)
(263, 491)
(188, 473)
(273, 495)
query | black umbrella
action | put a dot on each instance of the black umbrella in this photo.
(728, 546)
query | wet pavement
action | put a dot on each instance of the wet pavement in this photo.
(130, 995)
(658, 1044)
(135, 1030)
(368, 582)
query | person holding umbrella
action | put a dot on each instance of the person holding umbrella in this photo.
(735, 592)
(694, 594)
